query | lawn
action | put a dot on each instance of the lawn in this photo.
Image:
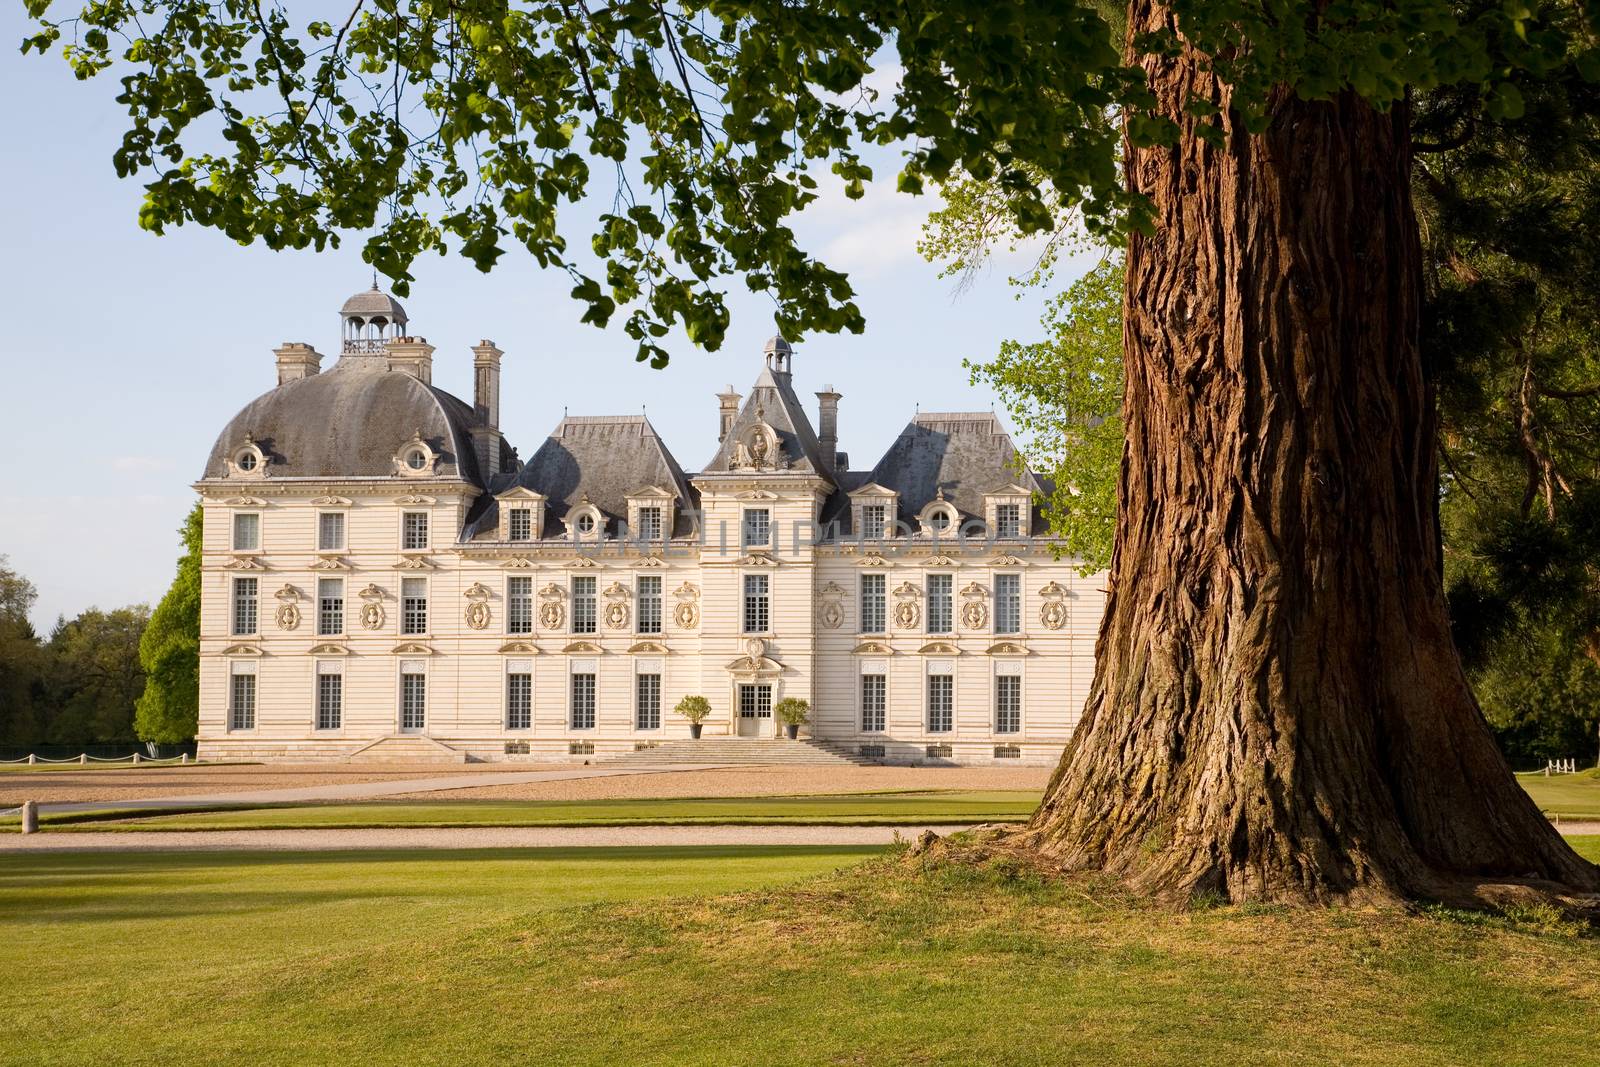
(741, 956)
(848, 809)
(1571, 796)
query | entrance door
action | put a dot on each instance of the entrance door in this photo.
(755, 710)
(413, 703)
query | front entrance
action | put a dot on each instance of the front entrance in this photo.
(755, 711)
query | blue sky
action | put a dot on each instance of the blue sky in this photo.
(126, 353)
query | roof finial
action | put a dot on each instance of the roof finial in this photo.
(374, 279)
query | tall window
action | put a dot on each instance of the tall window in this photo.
(242, 703)
(414, 605)
(873, 603)
(650, 604)
(583, 702)
(519, 701)
(519, 605)
(874, 703)
(244, 606)
(874, 521)
(647, 702)
(520, 524)
(414, 530)
(755, 702)
(330, 531)
(1008, 520)
(756, 529)
(941, 703)
(246, 532)
(413, 701)
(757, 604)
(1007, 703)
(650, 524)
(1008, 603)
(583, 605)
(941, 603)
(330, 606)
(330, 701)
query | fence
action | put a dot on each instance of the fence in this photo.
(130, 752)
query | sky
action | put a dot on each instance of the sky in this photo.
(125, 354)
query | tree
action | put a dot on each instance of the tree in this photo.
(93, 677)
(168, 711)
(1278, 711)
(20, 658)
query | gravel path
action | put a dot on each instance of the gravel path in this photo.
(475, 838)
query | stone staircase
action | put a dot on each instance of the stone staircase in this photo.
(406, 748)
(748, 751)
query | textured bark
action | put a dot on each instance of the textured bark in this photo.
(1278, 711)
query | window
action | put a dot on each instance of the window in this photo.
(246, 460)
(756, 529)
(413, 701)
(650, 604)
(519, 701)
(583, 702)
(1008, 603)
(650, 524)
(414, 531)
(941, 703)
(755, 702)
(874, 703)
(1008, 520)
(330, 531)
(416, 459)
(647, 702)
(1008, 703)
(941, 603)
(583, 606)
(757, 606)
(242, 703)
(873, 603)
(519, 605)
(414, 605)
(520, 524)
(874, 520)
(244, 606)
(584, 524)
(330, 606)
(939, 520)
(330, 701)
(246, 532)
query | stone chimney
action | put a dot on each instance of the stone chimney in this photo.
(729, 411)
(413, 356)
(828, 425)
(296, 361)
(486, 406)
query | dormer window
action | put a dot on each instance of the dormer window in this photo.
(415, 458)
(1006, 511)
(248, 461)
(584, 524)
(1008, 520)
(874, 520)
(874, 512)
(521, 514)
(520, 524)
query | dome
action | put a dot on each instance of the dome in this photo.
(776, 344)
(374, 303)
(349, 422)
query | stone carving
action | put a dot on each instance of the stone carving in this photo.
(616, 614)
(974, 614)
(478, 606)
(372, 616)
(906, 614)
(616, 591)
(552, 614)
(687, 612)
(288, 607)
(1053, 612)
(831, 614)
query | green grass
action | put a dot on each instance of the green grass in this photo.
(742, 956)
(1571, 796)
(849, 809)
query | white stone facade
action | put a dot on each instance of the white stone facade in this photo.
(367, 581)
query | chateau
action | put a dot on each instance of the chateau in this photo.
(378, 564)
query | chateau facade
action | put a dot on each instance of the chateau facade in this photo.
(379, 566)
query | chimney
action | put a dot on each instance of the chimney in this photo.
(730, 410)
(486, 406)
(828, 425)
(296, 361)
(413, 356)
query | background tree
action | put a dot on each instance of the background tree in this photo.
(1278, 711)
(93, 677)
(168, 711)
(21, 658)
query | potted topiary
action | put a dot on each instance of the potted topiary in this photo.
(792, 711)
(695, 709)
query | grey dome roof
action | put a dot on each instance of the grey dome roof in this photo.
(776, 343)
(350, 423)
(374, 302)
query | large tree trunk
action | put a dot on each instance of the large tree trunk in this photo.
(1278, 712)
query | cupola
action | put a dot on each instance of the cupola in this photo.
(370, 320)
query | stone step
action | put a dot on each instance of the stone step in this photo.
(406, 748)
(747, 752)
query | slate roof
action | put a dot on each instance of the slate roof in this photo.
(374, 301)
(349, 422)
(773, 399)
(603, 458)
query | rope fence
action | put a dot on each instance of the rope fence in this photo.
(136, 760)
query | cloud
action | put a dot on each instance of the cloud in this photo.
(866, 236)
(138, 464)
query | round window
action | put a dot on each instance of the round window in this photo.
(247, 460)
(416, 459)
(585, 524)
(939, 520)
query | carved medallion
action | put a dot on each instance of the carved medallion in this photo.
(974, 614)
(906, 614)
(831, 614)
(687, 615)
(616, 615)
(372, 616)
(288, 607)
(552, 614)
(1053, 612)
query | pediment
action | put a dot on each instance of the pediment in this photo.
(330, 563)
(519, 492)
(873, 490)
(582, 646)
(652, 492)
(412, 648)
(524, 648)
(872, 559)
(518, 563)
(242, 650)
(1006, 559)
(415, 563)
(874, 648)
(755, 665)
(329, 648)
(1012, 489)
(244, 563)
(580, 563)
(940, 560)
(329, 502)
(756, 494)
(412, 498)
(649, 561)
(1007, 648)
(648, 646)
(940, 648)
(245, 502)
(757, 559)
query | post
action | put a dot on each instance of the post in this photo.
(32, 759)
(83, 757)
(183, 758)
(136, 759)
(30, 817)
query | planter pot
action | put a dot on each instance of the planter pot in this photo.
(793, 730)
(694, 730)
